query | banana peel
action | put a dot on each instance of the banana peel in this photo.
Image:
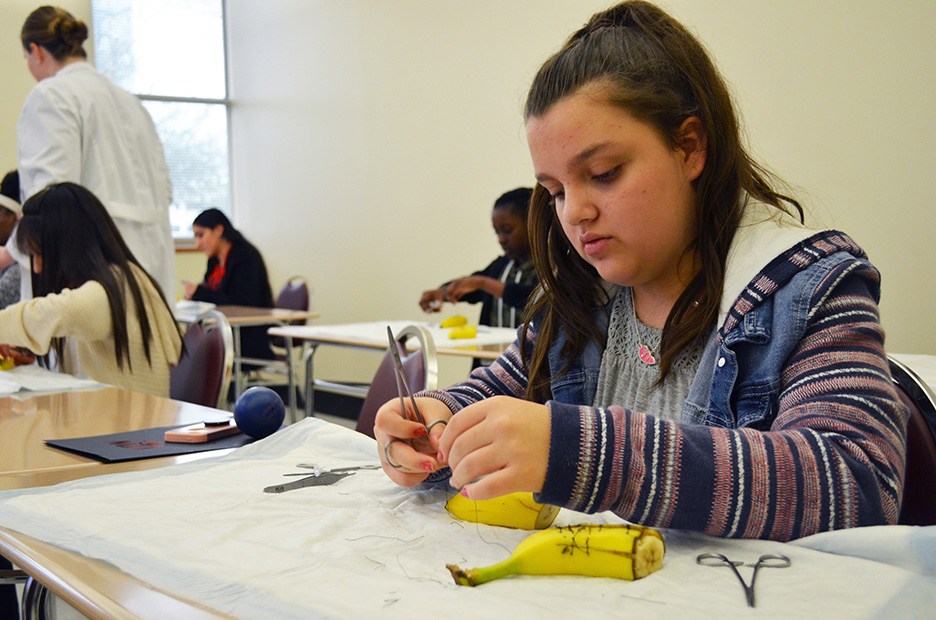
(626, 552)
(515, 510)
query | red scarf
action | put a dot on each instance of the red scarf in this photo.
(214, 278)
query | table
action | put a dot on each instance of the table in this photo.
(28, 419)
(489, 344)
(248, 316)
(923, 365)
(366, 548)
(106, 592)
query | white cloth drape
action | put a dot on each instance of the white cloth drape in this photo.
(365, 548)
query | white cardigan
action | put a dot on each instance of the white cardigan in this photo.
(83, 316)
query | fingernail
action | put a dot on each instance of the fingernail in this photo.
(421, 432)
(464, 492)
(427, 466)
(439, 457)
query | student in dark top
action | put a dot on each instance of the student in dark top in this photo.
(502, 287)
(236, 275)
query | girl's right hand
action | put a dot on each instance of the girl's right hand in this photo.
(412, 449)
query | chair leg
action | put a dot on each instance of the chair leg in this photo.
(9, 577)
(36, 601)
(308, 358)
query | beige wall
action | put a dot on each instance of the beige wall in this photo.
(14, 76)
(371, 136)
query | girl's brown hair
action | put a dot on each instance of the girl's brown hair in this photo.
(654, 68)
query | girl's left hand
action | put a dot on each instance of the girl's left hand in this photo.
(497, 446)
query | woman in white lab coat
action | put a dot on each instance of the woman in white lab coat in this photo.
(77, 126)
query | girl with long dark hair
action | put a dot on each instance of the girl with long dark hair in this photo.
(95, 307)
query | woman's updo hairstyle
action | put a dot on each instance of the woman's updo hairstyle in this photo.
(57, 31)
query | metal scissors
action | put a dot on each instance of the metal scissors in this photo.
(319, 477)
(768, 560)
(318, 470)
(403, 384)
(315, 480)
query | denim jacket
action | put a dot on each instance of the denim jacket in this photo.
(799, 352)
(738, 380)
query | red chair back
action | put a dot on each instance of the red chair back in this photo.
(419, 366)
(203, 374)
(919, 493)
(293, 296)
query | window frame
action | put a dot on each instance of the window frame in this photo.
(187, 242)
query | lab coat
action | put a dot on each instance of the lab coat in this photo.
(78, 126)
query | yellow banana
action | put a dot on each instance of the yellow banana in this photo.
(619, 551)
(465, 331)
(517, 510)
(7, 363)
(455, 321)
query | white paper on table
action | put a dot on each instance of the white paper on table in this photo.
(376, 332)
(187, 310)
(35, 378)
(9, 387)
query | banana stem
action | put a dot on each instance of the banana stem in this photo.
(477, 576)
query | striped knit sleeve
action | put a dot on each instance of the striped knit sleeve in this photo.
(833, 457)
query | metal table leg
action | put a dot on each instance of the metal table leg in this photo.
(291, 381)
(238, 374)
(310, 381)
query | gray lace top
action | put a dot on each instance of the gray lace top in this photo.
(627, 381)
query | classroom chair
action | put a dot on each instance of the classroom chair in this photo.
(420, 367)
(203, 375)
(919, 493)
(296, 294)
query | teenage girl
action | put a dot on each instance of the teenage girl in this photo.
(694, 358)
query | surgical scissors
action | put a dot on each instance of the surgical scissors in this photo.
(768, 560)
(403, 384)
(401, 381)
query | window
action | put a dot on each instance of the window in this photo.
(171, 54)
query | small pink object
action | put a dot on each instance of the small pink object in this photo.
(646, 356)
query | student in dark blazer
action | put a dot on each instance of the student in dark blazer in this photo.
(236, 275)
